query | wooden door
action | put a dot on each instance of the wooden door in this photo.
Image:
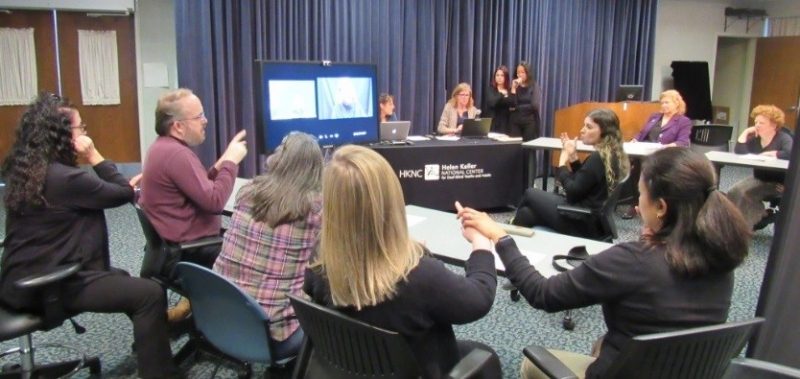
(113, 128)
(776, 76)
(42, 24)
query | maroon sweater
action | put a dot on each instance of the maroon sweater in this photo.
(181, 198)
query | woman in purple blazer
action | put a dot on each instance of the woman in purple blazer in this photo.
(669, 127)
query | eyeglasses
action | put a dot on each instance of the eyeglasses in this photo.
(82, 127)
(202, 115)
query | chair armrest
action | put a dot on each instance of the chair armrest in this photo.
(303, 358)
(58, 273)
(564, 208)
(209, 241)
(548, 363)
(749, 368)
(470, 365)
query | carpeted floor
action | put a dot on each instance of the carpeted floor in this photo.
(508, 328)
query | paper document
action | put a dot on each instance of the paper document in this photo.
(448, 138)
(417, 138)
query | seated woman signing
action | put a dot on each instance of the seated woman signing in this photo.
(586, 183)
(369, 268)
(678, 276)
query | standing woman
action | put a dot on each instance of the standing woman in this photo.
(370, 269)
(386, 105)
(498, 103)
(55, 217)
(459, 108)
(586, 183)
(273, 233)
(526, 98)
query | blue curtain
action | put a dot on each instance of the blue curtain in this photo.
(579, 50)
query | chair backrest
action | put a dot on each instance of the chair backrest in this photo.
(711, 137)
(225, 315)
(608, 226)
(746, 368)
(347, 348)
(155, 250)
(702, 353)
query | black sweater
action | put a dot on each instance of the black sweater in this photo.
(585, 185)
(70, 229)
(638, 291)
(781, 143)
(425, 307)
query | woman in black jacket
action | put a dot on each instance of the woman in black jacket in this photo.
(56, 217)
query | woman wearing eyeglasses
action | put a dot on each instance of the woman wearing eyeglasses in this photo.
(56, 217)
(460, 107)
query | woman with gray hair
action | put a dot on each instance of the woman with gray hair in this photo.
(273, 233)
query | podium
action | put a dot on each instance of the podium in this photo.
(632, 117)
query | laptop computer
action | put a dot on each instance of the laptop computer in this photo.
(395, 130)
(476, 127)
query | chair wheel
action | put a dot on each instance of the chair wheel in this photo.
(567, 323)
(515, 295)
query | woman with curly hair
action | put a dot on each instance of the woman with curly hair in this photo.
(767, 138)
(586, 183)
(55, 217)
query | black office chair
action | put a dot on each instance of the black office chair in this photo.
(22, 325)
(605, 229)
(158, 264)
(710, 137)
(746, 368)
(340, 347)
(160, 257)
(702, 353)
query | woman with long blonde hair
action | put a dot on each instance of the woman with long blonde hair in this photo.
(586, 183)
(460, 107)
(369, 268)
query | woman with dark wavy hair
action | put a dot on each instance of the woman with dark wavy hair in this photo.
(55, 217)
(586, 183)
(678, 276)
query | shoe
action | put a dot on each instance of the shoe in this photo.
(180, 311)
(507, 286)
(768, 218)
(629, 214)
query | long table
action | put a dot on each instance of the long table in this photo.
(747, 160)
(441, 233)
(633, 149)
(483, 173)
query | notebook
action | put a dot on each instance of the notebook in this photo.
(476, 127)
(395, 130)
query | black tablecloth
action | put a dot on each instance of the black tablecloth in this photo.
(481, 174)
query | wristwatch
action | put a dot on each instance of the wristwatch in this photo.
(504, 238)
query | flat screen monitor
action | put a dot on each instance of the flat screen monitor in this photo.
(629, 92)
(337, 103)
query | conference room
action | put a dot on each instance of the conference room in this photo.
(579, 55)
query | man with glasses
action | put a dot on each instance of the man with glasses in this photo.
(182, 199)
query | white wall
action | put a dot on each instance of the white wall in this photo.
(733, 77)
(688, 31)
(155, 43)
